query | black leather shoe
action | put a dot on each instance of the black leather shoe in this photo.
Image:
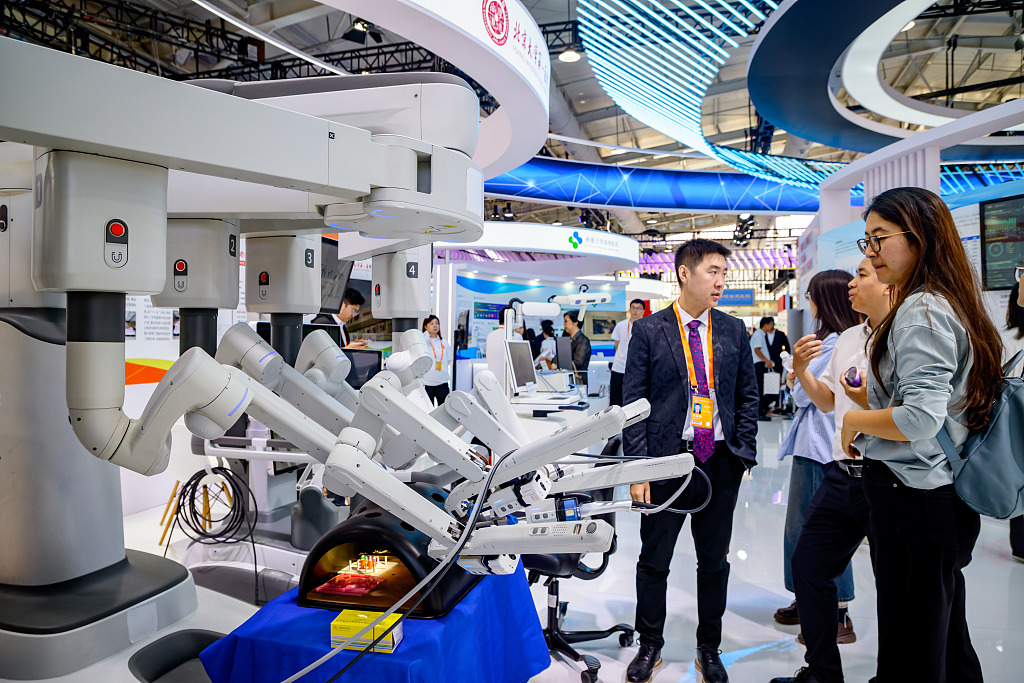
(643, 665)
(802, 676)
(709, 664)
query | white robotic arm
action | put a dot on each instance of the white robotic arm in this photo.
(322, 362)
(241, 347)
(381, 402)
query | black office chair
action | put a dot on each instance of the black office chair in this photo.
(565, 566)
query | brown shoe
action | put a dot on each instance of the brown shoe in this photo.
(845, 634)
(787, 615)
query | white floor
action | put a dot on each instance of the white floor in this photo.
(755, 648)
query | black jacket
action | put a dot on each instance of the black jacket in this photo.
(656, 370)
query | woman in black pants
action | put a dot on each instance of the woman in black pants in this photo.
(1013, 338)
(437, 379)
(934, 363)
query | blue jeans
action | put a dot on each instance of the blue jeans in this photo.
(804, 480)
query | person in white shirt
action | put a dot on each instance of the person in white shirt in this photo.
(837, 519)
(620, 335)
(763, 363)
(438, 379)
(350, 305)
(548, 347)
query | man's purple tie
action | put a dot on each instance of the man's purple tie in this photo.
(703, 438)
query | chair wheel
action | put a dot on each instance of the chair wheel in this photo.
(625, 639)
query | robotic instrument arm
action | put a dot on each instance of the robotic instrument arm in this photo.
(324, 364)
(242, 348)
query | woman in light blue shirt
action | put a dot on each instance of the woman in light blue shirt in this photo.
(810, 435)
(934, 363)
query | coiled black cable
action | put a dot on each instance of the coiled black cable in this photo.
(234, 526)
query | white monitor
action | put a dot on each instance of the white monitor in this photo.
(520, 362)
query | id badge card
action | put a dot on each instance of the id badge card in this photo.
(437, 365)
(701, 412)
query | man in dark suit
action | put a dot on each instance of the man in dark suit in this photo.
(777, 343)
(669, 365)
(350, 304)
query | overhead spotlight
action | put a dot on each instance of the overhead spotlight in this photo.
(744, 216)
(359, 30)
(652, 221)
(569, 55)
(1018, 43)
(909, 26)
(557, 223)
(508, 211)
(495, 215)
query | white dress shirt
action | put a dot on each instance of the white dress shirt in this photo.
(702, 332)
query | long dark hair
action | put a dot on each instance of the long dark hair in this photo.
(942, 268)
(1014, 313)
(426, 321)
(830, 291)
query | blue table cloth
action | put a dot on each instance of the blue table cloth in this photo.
(492, 635)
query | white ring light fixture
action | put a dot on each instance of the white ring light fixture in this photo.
(860, 77)
(496, 42)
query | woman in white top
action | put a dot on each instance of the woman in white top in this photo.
(437, 379)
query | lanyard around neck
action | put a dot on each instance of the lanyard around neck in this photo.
(431, 339)
(689, 356)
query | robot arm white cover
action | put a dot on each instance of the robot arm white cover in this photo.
(196, 382)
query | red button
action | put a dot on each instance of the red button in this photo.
(179, 266)
(263, 277)
(116, 229)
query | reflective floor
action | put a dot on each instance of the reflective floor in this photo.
(755, 648)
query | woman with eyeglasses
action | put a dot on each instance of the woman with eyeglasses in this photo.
(811, 433)
(934, 362)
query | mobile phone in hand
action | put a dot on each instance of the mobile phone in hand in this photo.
(853, 377)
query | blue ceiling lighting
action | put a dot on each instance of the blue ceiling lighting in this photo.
(602, 186)
(657, 58)
(575, 183)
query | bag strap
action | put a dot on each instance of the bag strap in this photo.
(951, 451)
(1008, 368)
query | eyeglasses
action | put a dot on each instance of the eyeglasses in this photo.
(875, 241)
(1018, 272)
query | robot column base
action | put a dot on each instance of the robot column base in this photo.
(48, 631)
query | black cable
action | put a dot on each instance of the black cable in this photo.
(454, 552)
(226, 529)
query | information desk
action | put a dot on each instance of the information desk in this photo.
(493, 635)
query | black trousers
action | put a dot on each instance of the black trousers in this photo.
(615, 389)
(712, 531)
(438, 392)
(836, 523)
(922, 540)
(760, 369)
(1017, 536)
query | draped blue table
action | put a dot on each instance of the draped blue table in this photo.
(492, 635)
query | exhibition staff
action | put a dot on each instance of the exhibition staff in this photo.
(934, 362)
(812, 433)
(580, 346)
(693, 365)
(621, 335)
(437, 379)
(837, 519)
(350, 304)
